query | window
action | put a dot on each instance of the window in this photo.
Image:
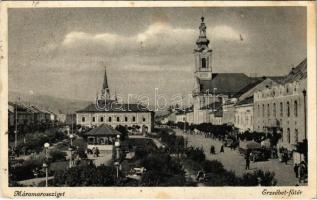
(133, 118)
(126, 119)
(93, 119)
(274, 110)
(145, 119)
(296, 135)
(83, 119)
(259, 109)
(288, 135)
(288, 109)
(263, 110)
(295, 109)
(281, 109)
(203, 63)
(109, 119)
(118, 119)
(101, 119)
(268, 110)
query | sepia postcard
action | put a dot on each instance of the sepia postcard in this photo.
(158, 99)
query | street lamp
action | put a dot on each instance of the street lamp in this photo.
(71, 136)
(45, 163)
(214, 91)
(117, 146)
(304, 94)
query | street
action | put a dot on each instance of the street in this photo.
(232, 160)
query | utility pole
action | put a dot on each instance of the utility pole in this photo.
(16, 124)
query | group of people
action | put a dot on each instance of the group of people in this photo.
(212, 149)
(300, 170)
(94, 151)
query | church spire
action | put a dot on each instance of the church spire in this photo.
(202, 41)
(105, 92)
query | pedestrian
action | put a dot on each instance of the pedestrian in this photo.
(296, 170)
(94, 151)
(247, 162)
(97, 152)
(212, 149)
(222, 149)
(285, 158)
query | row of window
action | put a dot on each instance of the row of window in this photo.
(109, 119)
(266, 110)
(277, 91)
(244, 120)
(287, 136)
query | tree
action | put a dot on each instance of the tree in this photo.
(123, 130)
(195, 154)
(212, 166)
(57, 155)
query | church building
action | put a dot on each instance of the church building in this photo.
(106, 110)
(212, 87)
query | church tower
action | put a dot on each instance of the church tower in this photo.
(105, 91)
(202, 54)
(202, 73)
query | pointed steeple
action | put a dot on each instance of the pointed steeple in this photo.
(105, 92)
(202, 41)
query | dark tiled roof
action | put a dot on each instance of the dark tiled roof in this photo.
(245, 101)
(297, 73)
(114, 107)
(103, 129)
(226, 83)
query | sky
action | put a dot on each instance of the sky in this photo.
(63, 52)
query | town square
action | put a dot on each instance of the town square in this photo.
(136, 97)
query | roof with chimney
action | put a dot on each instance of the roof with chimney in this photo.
(297, 73)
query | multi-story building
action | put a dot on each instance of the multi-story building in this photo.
(211, 87)
(109, 111)
(243, 108)
(244, 115)
(282, 108)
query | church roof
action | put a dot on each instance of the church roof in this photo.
(226, 83)
(102, 130)
(114, 107)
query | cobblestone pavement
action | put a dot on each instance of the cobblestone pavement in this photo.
(232, 160)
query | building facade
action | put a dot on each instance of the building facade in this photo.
(244, 115)
(282, 108)
(109, 111)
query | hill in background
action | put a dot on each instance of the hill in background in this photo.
(51, 103)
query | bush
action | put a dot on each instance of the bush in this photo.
(212, 166)
(252, 179)
(226, 178)
(195, 154)
(57, 155)
(88, 175)
(25, 171)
